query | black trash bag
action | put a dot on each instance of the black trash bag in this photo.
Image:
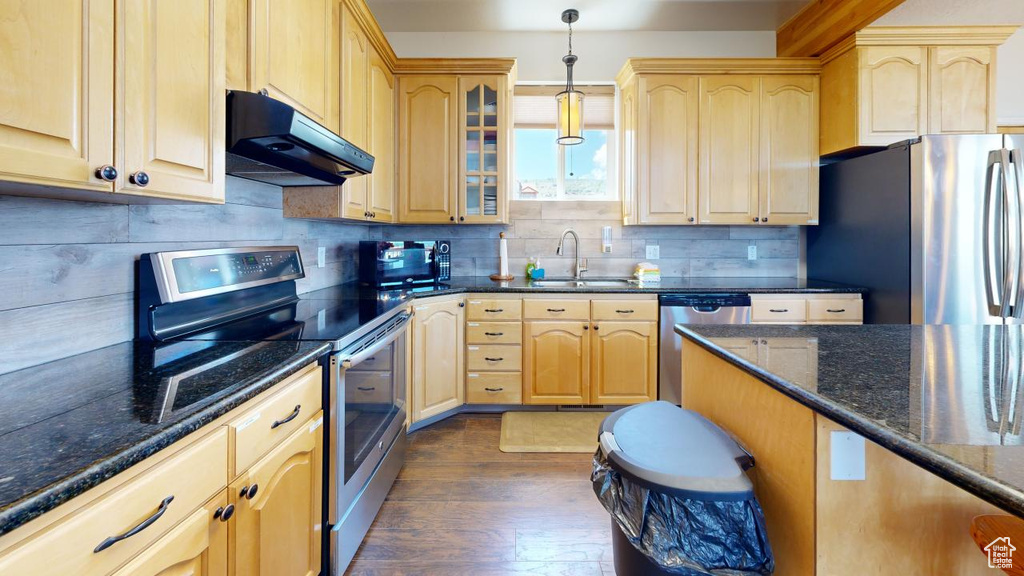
(686, 536)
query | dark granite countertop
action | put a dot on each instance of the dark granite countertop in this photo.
(676, 285)
(68, 425)
(947, 398)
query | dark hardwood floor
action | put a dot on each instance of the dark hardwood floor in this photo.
(461, 507)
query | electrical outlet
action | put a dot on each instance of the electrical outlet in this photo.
(321, 256)
(752, 252)
(653, 252)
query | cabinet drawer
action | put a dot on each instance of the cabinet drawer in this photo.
(492, 309)
(778, 310)
(191, 477)
(494, 333)
(254, 433)
(494, 358)
(557, 309)
(624, 310)
(837, 310)
(494, 388)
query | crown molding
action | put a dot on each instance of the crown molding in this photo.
(725, 66)
(934, 35)
(419, 66)
(361, 12)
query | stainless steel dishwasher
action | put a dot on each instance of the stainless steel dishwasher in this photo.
(691, 309)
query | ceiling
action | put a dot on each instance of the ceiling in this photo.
(600, 15)
(954, 13)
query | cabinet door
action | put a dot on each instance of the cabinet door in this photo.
(174, 108)
(57, 95)
(627, 151)
(198, 546)
(793, 359)
(667, 153)
(381, 197)
(893, 88)
(438, 372)
(556, 368)
(427, 166)
(355, 122)
(624, 363)
(277, 532)
(789, 150)
(482, 149)
(291, 55)
(961, 94)
(728, 149)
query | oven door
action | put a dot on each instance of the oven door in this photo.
(367, 425)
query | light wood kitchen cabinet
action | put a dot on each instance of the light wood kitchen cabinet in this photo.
(355, 98)
(730, 141)
(453, 135)
(57, 137)
(806, 309)
(887, 84)
(667, 149)
(624, 362)
(380, 197)
(556, 365)
(293, 47)
(494, 352)
(728, 149)
(141, 108)
(198, 546)
(277, 524)
(200, 523)
(427, 149)
(438, 352)
(788, 186)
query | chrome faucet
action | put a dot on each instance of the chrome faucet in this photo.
(581, 263)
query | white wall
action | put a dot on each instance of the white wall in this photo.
(601, 54)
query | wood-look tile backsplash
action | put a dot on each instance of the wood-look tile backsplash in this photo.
(67, 268)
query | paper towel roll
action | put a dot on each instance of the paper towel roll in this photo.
(503, 255)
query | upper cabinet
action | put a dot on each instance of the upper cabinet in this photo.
(105, 98)
(291, 54)
(885, 84)
(453, 151)
(719, 141)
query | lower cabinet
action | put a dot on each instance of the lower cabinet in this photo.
(556, 368)
(182, 516)
(278, 508)
(197, 547)
(624, 362)
(438, 365)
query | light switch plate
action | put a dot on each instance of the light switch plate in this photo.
(847, 456)
(653, 252)
(321, 256)
(752, 252)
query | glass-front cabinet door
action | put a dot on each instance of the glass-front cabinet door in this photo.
(483, 149)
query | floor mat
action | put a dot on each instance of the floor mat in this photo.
(550, 431)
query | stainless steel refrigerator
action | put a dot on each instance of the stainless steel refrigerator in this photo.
(932, 227)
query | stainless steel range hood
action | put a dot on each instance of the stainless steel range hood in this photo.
(269, 141)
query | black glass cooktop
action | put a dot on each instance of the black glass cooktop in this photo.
(324, 315)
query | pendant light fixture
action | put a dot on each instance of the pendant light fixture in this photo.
(570, 100)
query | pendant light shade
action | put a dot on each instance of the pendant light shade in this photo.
(570, 100)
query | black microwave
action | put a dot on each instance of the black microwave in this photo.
(390, 263)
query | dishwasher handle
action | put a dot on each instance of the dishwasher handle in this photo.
(706, 309)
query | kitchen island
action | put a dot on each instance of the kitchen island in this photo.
(938, 406)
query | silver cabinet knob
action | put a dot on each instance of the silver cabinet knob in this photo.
(107, 173)
(140, 179)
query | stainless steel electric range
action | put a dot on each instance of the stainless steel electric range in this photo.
(249, 294)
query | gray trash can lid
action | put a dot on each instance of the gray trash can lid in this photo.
(675, 450)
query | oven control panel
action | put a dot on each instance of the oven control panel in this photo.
(206, 271)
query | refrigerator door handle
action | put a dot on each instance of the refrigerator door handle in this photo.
(1008, 238)
(991, 269)
(1016, 157)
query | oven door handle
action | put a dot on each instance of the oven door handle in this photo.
(349, 362)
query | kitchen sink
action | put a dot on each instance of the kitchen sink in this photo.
(571, 283)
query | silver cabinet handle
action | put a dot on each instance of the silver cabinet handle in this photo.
(107, 173)
(366, 388)
(140, 179)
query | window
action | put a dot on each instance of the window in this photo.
(546, 171)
